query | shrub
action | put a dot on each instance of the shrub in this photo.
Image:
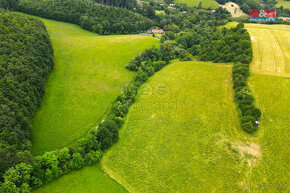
(255, 112)
(77, 161)
(186, 57)
(246, 119)
(248, 127)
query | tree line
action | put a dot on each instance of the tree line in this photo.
(127, 4)
(26, 58)
(88, 14)
(35, 171)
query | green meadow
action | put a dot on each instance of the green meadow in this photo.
(272, 95)
(285, 4)
(271, 47)
(88, 74)
(183, 134)
(87, 180)
(205, 3)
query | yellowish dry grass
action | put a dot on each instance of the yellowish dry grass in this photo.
(271, 47)
(234, 9)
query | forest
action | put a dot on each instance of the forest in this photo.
(88, 14)
(26, 58)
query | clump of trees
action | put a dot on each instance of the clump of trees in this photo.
(223, 45)
(44, 168)
(88, 14)
(26, 58)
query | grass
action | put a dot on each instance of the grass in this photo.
(87, 180)
(205, 3)
(88, 75)
(271, 46)
(272, 94)
(230, 25)
(285, 4)
(182, 134)
(234, 9)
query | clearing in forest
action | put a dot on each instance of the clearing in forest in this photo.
(87, 77)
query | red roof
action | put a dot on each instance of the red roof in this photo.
(157, 31)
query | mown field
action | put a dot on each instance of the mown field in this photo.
(194, 3)
(87, 77)
(234, 9)
(271, 46)
(183, 134)
(285, 4)
(272, 172)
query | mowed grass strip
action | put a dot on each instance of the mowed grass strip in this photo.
(180, 133)
(272, 94)
(194, 3)
(271, 46)
(87, 180)
(87, 77)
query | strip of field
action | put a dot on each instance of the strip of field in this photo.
(272, 172)
(87, 77)
(285, 4)
(87, 180)
(271, 45)
(234, 9)
(205, 3)
(183, 134)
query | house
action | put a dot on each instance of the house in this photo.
(155, 31)
(213, 11)
(285, 18)
(171, 5)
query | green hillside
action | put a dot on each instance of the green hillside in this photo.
(205, 3)
(88, 74)
(183, 134)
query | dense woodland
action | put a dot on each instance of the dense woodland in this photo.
(88, 14)
(26, 58)
(128, 4)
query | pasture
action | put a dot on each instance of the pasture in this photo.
(205, 3)
(285, 4)
(272, 95)
(234, 9)
(87, 180)
(183, 134)
(88, 74)
(271, 46)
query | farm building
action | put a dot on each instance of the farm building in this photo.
(155, 31)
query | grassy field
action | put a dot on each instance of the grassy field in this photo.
(234, 9)
(285, 4)
(87, 180)
(183, 134)
(194, 3)
(87, 77)
(271, 46)
(272, 173)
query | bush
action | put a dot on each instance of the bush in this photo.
(246, 119)
(255, 112)
(248, 127)
(77, 161)
(93, 157)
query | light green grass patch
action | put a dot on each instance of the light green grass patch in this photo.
(231, 25)
(88, 74)
(271, 46)
(272, 94)
(285, 4)
(205, 3)
(182, 134)
(87, 180)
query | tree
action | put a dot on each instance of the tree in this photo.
(77, 161)
(199, 5)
